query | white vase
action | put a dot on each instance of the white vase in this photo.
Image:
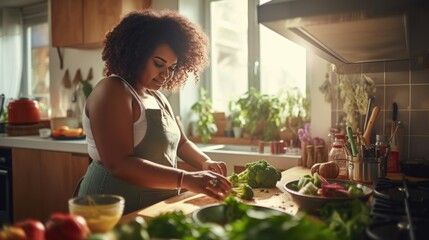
(238, 131)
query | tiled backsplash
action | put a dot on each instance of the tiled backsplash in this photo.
(410, 90)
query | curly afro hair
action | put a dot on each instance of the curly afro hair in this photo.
(130, 44)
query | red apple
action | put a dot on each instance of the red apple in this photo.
(66, 227)
(34, 230)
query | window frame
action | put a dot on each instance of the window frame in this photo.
(33, 14)
(253, 51)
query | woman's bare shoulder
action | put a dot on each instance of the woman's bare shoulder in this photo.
(108, 91)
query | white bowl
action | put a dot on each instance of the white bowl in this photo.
(44, 132)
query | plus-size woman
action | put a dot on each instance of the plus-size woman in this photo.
(132, 133)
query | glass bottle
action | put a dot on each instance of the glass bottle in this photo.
(338, 155)
(380, 147)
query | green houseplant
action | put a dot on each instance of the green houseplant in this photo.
(205, 125)
(236, 117)
(296, 112)
(262, 114)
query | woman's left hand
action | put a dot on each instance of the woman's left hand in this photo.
(215, 166)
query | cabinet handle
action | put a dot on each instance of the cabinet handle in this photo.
(3, 172)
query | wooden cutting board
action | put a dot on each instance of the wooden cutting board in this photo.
(189, 201)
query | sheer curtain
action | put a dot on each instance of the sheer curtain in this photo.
(11, 48)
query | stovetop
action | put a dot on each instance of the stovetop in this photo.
(393, 204)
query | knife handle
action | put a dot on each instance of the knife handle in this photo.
(371, 122)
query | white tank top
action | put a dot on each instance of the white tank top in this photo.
(139, 126)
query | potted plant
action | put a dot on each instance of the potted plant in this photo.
(205, 125)
(297, 113)
(262, 114)
(236, 118)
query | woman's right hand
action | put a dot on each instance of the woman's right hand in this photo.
(210, 183)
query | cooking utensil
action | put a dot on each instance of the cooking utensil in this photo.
(311, 203)
(351, 141)
(66, 80)
(368, 110)
(371, 122)
(393, 124)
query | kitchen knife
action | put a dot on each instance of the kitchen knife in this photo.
(372, 119)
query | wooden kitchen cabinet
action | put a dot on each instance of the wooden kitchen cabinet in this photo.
(84, 23)
(43, 181)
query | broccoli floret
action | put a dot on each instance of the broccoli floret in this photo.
(259, 174)
(238, 179)
(243, 191)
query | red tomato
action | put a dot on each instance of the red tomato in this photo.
(66, 227)
(34, 230)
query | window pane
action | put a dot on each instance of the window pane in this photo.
(283, 63)
(229, 51)
(38, 77)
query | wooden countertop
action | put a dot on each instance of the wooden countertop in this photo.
(275, 198)
(189, 201)
(38, 143)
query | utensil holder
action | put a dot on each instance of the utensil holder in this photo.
(366, 170)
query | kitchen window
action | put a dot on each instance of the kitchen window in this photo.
(245, 54)
(35, 80)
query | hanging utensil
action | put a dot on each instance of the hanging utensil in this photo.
(76, 82)
(66, 80)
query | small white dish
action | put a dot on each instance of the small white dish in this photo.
(44, 132)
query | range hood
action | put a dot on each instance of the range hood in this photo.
(353, 33)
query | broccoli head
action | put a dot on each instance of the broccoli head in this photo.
(259, 174)
(268, 177)
(243, 191)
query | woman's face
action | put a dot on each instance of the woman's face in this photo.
(159, 68)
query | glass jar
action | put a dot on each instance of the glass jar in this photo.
(338, 155)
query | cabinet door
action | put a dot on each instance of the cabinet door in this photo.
(99, 17)
(60, 173)
(67, 22)
(27, 191)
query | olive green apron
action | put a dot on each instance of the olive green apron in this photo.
(159, 145)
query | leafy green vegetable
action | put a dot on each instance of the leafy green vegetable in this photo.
(134, 229)
(259, 174)
(177, 225)
(346, 219)
(243, 191)
(276, 226)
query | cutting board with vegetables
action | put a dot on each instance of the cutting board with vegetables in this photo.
(189, 201)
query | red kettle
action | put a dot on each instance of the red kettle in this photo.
(23, 111)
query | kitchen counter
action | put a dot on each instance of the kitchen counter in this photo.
(276, 197)
(36, 142)
(188, 202)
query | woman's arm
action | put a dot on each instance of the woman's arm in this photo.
(191, 154)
